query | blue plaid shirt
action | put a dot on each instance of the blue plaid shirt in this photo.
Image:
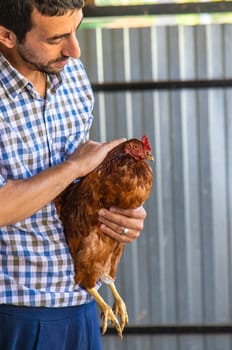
(36, 268)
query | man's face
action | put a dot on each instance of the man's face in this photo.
(51, 41)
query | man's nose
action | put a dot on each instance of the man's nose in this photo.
(72, 47)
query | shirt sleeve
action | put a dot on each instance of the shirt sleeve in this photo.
(2, 181)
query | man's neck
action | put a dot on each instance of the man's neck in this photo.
(37, 78)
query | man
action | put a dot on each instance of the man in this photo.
(45, 115)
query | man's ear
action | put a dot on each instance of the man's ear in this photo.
(7, 37)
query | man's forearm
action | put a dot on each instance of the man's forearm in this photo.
(22, 198)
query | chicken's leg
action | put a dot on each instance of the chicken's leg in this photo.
(107, 312)
(119, 306)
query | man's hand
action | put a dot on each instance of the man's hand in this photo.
(115, 220)
(89, 155)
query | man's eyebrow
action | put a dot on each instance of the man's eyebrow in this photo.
(59, 36)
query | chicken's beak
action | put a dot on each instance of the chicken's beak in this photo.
(150, 156)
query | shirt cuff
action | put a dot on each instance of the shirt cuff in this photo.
(2, 181)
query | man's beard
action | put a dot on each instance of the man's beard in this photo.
(45, 67)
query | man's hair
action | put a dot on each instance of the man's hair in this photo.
(15, 15)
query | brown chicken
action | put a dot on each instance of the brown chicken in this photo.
(123, 180)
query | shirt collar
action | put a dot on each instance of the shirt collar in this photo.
(14, 82)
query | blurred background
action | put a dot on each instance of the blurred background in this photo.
(164, 68)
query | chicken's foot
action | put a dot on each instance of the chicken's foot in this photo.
(107, 312)
(119, 306)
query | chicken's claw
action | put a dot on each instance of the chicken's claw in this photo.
(119, 307)
(108, 315)
(120, 310)
(107, 312)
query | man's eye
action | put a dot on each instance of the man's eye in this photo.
(54, 41)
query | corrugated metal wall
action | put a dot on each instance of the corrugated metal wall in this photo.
(179, 271)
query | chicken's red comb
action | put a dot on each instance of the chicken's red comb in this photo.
(146, 142)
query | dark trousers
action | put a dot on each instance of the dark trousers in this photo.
(33, 328)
